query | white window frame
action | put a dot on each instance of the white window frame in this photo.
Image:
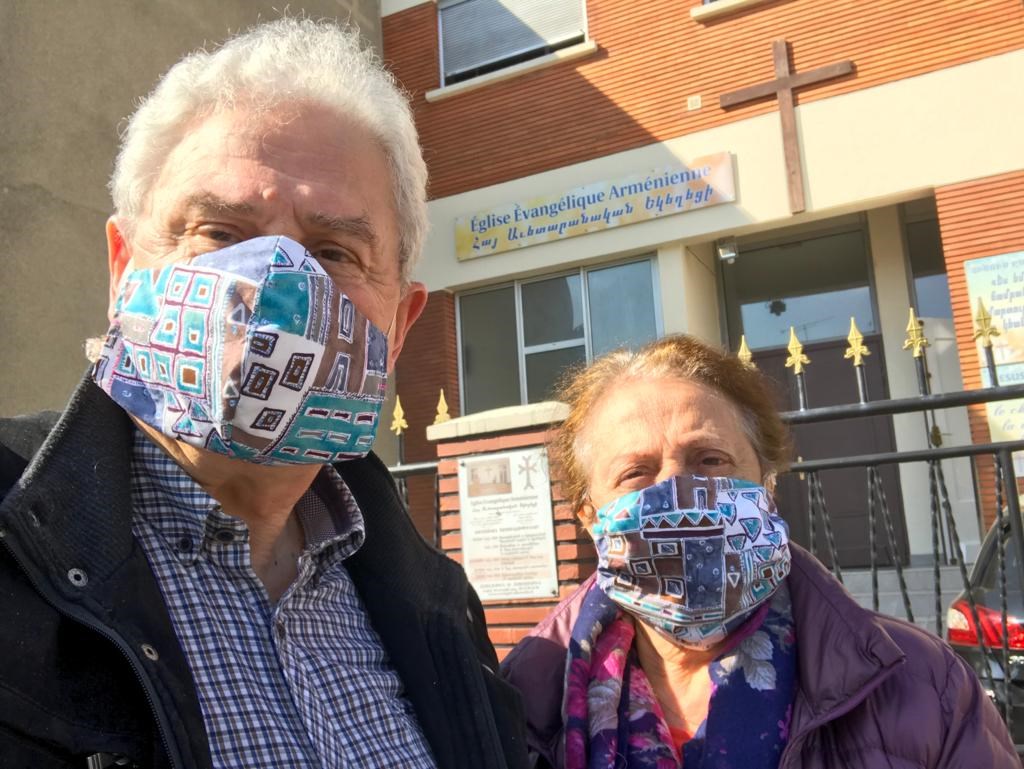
(441, 4)
(587, 342)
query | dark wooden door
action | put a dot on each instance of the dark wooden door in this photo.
(830, 381)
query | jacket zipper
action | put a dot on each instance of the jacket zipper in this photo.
(119, 644)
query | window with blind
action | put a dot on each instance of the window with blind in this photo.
(479, 36)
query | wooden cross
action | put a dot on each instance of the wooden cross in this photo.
(782, 87)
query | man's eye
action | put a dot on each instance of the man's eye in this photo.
(219, 236)
(334, 255)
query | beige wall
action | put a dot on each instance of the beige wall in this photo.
(71, 71)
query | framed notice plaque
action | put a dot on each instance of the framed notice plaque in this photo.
(999, 282)
(508, 538)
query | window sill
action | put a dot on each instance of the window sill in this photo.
(721, 8)
(573, 52)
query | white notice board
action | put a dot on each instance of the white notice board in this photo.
(508, 538)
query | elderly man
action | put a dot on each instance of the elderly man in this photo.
(202, 565)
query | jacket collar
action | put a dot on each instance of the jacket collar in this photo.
(843, 650)
(71, 508)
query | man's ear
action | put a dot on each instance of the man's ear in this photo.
(409, 309)
(117, 260)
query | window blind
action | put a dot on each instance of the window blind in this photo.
(478, 33)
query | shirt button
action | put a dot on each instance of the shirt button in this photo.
(185, 545)
(225, 535)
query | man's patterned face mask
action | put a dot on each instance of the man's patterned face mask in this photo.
(693, 557)
(251, 352)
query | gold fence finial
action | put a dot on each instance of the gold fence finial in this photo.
(746, 357)
(985, 330)
(857, 350)
(398, 423)
(916, 340)
(796, 360)
(442, 410)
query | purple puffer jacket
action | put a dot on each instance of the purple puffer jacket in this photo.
(873, 691)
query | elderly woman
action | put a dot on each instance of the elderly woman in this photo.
(706, 638)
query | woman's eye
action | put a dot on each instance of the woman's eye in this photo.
(714, 460)
(632, 474)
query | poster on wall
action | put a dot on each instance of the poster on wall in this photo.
(999, 282)
(508, 537)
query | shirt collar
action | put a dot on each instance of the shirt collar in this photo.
(189, 519)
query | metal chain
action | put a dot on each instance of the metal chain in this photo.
(893, 552)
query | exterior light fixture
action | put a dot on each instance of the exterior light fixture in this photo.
(727, 250)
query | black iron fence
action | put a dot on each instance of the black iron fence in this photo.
(991, 644)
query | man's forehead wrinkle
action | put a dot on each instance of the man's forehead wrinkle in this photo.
(209, 201)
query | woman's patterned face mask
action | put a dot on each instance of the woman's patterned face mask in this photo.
(691, 556)
(251, 352)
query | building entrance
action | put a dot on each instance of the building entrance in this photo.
(814, 282)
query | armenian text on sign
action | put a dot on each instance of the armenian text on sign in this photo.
(599, 206)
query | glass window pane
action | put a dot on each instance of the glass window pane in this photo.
(932, 292)
(925, 246)
(621, 307)
(815, 285)
(814, 317)
(552, 310)
(543, 370)
(928, 266)
(490, 358)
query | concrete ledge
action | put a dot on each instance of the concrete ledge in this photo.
(499, 421)
(578, 51)
(721, 8)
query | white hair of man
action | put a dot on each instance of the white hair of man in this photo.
(282, 62)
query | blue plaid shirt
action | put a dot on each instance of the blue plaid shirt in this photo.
(302, 683)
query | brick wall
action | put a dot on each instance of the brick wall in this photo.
(984, 217)
(652, 56)
(428, 362)
(509, 621)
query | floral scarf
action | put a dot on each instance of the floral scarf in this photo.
(612, 717)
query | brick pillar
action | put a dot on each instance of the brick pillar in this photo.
(429, 362)
(509, 620)
(983, 217)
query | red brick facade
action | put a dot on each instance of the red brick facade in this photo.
(428, 363)
(984, 217)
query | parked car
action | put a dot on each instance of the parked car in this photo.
(962, 633)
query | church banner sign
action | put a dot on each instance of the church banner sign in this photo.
(508, 537)
(639, 197)
(999, 282)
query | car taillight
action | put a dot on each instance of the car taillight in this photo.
(960, 627)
